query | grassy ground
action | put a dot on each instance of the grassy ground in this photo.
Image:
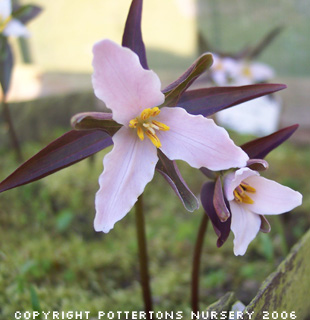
(51, 258)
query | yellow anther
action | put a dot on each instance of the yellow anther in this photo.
(140, 133)
(237, 196)
(240, 193)
(246, 187)
(160, 125)
(146, 114)
(133, 123)
(153, 138)
(145, 125)
(155, 112)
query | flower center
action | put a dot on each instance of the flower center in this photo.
(4, 22)
(240, 193)
(247, 72)
(146, 125)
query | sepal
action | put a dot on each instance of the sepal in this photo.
(171, 173)
(222, 229)
(259, 148)
(65, 151)
(174, 91)
(95, 121)
(211, 100)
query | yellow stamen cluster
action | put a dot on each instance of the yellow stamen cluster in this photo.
(146, 125)
(4, 22)
(240, 193)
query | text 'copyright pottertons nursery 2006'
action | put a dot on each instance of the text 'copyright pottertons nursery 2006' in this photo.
(156, 315)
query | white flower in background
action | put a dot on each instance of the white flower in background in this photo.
(224, 70)
(8, 25)
(252, 72)
(228, 71)
(250, 196)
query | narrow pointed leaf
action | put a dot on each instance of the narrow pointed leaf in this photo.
(6, 64)
(132, 37)
(70, 148)
(172, 174)
(175, 89)
(203, 43)
(95, 120)
(26, 13)
(222, 229)
(267, 40)
(219, 201)
(211, 100)
(259, 148)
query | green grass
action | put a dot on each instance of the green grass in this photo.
(51, 257)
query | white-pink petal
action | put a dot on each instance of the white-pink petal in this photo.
(120, 81)
(233, 179)
(245, 225)
(5, 8)
(198, 141)
(16, 29)
(271, 197)
(127, 170)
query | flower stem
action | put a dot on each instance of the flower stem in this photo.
(12, 133)
(196, 262)
(143, 258)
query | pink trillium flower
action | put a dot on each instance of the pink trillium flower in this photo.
(250, 196)
(133, 94)
(8, 25)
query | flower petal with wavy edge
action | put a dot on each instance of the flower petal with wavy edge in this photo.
(272, 197)
(245, 226)
(198, 141)
(120, 81)
(127, 170)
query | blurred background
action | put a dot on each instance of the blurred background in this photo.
(50, 256)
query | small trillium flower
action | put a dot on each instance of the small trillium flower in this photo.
(8, 25)
(251, 196)
(224, 70)
(253, 72)
(134, 96)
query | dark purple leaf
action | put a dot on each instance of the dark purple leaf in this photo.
(175, 89)
(26, 13)
(70, 148)
(210, 100)
(95, 120)
(222, 229)
(259, 148)
(132, 37)
(219, 202)
(6, 64)
(172, 174)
